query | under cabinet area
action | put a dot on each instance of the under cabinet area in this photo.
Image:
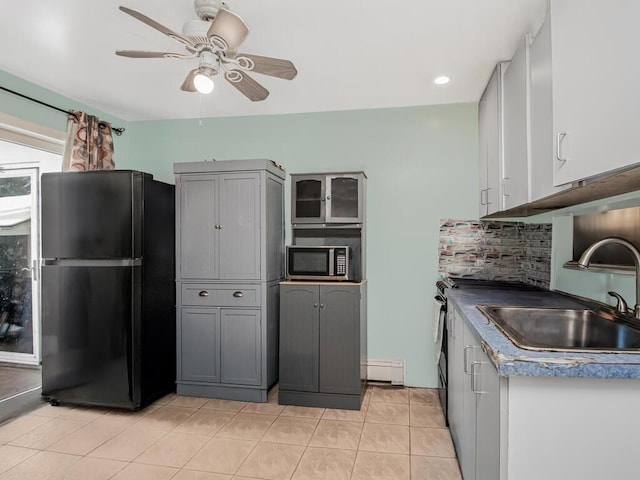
(230, 260)
(322, 344)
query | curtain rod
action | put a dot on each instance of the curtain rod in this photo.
(118, 131)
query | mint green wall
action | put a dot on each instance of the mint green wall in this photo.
(421, 164)
(33, 112)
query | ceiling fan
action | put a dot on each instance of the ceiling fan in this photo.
(214, 40)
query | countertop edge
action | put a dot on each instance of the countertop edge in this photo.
(510, 360)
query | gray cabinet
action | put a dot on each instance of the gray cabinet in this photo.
(327, 198)
(455, 377)
(516, 127)
(475, 391)
(219, 226)
(230, 260)
(322, 344)
(240, 347)
(486, 386)
(595, 88)
(490, 143)
(199, 329)
(236, 332)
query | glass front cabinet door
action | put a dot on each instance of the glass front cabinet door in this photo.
(327, 198)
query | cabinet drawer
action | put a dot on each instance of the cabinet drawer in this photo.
(221, 295)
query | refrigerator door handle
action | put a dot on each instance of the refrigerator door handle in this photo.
(34, 271)
(73, 262)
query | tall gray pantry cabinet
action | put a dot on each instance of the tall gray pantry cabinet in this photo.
(229, 262)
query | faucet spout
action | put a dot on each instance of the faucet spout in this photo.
(585, 260)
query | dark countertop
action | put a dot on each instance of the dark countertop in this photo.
(511, 360)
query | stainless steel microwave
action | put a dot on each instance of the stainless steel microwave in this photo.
(318, 263)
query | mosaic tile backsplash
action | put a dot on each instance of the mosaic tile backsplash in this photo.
(508, 251)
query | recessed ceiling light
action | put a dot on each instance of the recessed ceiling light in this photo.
(442, 80)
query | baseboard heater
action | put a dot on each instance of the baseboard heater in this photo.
(386, 371)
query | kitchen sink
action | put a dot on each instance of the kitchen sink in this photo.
(558, 329)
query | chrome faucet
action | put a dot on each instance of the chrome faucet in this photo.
(585, 259)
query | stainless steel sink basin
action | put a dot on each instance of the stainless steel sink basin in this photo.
(557, 329)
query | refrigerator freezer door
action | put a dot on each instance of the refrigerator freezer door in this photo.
(92, 215)
(91, 322)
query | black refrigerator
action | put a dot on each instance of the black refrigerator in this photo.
(108, 291)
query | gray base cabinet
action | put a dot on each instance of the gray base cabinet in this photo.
(474, 404)
(322, 344)
(229, 262)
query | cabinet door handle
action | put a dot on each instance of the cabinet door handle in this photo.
(465, 358)
(482, 198)
(204, 293)
(474, 378)
(322, 305)
(504, 187)
(559, 139)
(238, 294)
(315, 305)
(486, 197)
(452, 330)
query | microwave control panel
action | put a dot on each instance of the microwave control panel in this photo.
(341, 263)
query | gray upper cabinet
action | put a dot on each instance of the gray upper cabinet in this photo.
(220, 226)
(239, 227)
(327, 198)
(197, 236)
(230, 260)
(595, 87)
(516, 127)
(490, 143)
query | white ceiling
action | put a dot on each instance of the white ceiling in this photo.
(350, 54)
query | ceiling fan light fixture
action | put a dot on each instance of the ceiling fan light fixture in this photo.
(203, 83)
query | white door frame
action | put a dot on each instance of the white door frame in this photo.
(9, 171)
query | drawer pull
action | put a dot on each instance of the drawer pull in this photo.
(204, 293)
(238, 294)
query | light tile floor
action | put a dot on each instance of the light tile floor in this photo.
(399, 434)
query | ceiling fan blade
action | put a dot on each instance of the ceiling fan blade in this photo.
(153, 24)
(247, 85)
(143, 54)
(188, 85)
(228, 27)
(274, 67)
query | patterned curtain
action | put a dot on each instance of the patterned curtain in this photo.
(89, 144)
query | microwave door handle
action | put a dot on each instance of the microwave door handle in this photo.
(331, 262)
